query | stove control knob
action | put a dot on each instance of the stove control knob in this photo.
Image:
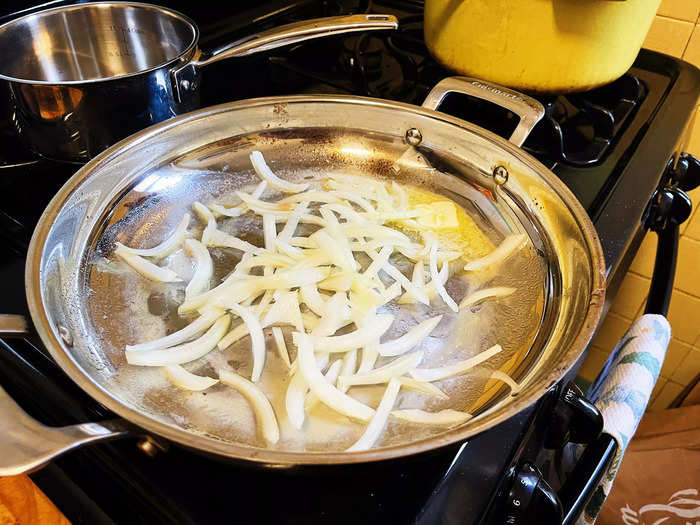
(531, 500)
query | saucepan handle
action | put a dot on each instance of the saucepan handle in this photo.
(26, 444)
(185, 76)
(527, 108)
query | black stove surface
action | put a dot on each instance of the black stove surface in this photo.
(610, 146)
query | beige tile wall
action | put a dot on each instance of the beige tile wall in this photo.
(675, 31)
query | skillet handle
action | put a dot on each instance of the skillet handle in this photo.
(185, 77)
(527, 108)
(26, 444)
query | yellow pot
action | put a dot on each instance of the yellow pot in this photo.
(544, 46)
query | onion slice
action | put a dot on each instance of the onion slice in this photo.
(326, 392)
(502, 376)
(447, 417)
(204, 268)
(168, 246)
(184, 353)
(146, 268)
(383, 374)
(311, 298)
(435, 278)
(261, 405)
(410, 339)
(508, 247)
(486, 293)
(208, 318)
(422, 386)
(257, 338)
(281, 345)
(331, 376)
(215, 238)
(294, 400)
(373, 329)
(369, 357)
(181, 378)
(376, 425)
(436, 374)
(266, 174)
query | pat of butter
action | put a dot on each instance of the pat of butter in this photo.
(440, 214)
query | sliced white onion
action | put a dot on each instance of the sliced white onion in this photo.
(291, 225)
(275, 260)
(269, 231)
(369, 357)
(281, 345)
(439, 287)
(312, 196)
(378, 262)
(382, 233)
(418, 276)
(410, 339)
(146, 268)
(502, 376)
(429, 288)
(181, 378)
(395, 274)
(447, 417)
(312, 299)
(234, 211)
(443, 372)
(383, 374)
(401, 195)
(294, 399)
(285, 310)
(204, 213)
(257, 338)
(331, 377)
(335, 315)
(236, 288)
(339, 282)
(168, 246)
(264, 413)
(183, 353)
(327, 393)
(423, 387)
(373, 329)
(208, 318)
(303, 242)
(356, 199)
(486, 293)
(266, 174)
(508, 247)
(391, 293)
(376, 425)
(204, 268)
(348, 368)
(310, 321)
(239, 332)
(215, 238)
(347, 260)
(346, 211)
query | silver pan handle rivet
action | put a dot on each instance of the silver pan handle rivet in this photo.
(414, 136)
(65, 335)
(500, 175)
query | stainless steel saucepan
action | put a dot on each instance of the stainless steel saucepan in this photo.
(84, 76)
(138, 190)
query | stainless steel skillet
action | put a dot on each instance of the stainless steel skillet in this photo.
(139, 188)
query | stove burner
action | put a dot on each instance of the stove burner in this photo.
(580, 128)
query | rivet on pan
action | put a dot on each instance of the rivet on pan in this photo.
(66, 336)
(414, 136)
(185, 84)
(500, 175)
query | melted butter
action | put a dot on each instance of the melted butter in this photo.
(453, 227)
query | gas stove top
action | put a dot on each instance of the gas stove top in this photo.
(610, 146)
